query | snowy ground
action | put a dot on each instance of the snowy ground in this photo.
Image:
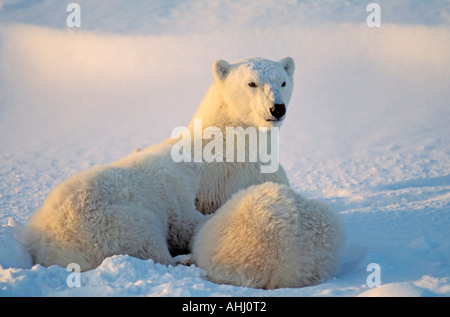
(367, 129)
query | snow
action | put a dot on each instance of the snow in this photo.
(366, 131)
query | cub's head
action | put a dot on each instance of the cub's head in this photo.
(256, 90)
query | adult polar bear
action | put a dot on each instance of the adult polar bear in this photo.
(252, 92)
(143, 205)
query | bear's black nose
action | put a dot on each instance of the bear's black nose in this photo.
(278, 110)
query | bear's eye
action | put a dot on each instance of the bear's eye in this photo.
(283, 84)
(252, 84)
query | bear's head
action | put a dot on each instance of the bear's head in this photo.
(256, 90)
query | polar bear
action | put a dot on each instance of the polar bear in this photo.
(142, 205)
(248, 93)
(268, 236)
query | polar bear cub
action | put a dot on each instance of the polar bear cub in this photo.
(142, 205)
(268, 236)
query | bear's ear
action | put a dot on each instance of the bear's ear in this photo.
(221, 69)
(289, 65)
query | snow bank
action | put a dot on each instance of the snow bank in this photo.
(85, 80)
(13, 252)
(426, 286)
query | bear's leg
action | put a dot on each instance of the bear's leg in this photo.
(155, 247)
(183, 228)
(184, 259)
(140, 232)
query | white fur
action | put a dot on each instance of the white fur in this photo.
(230, 102)
(135, 205)
(142, 205)
(268, 236)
